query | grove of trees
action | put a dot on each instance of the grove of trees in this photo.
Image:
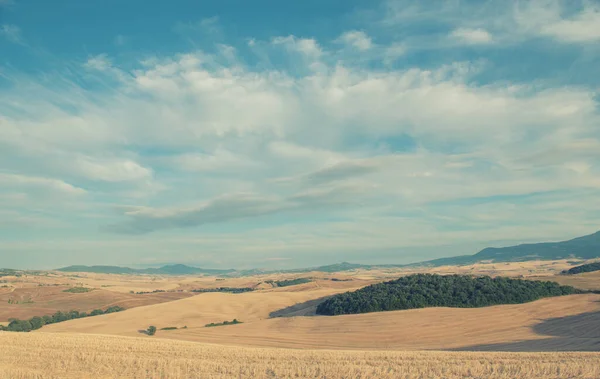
(234, 322)
(224, 289)
(583, 268)
(37, 322)
(430, 290)
(288, 282)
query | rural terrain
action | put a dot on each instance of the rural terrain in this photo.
(267, 324)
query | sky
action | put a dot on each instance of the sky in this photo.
(274, 134)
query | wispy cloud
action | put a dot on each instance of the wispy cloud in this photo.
(11, 33)
(16, 180)
(472, 36)
(356, 39)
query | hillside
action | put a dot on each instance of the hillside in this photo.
(586, 247)
(567, 323)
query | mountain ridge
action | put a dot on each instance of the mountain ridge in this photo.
(584, 247)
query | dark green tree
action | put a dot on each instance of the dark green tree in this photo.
(36, 322)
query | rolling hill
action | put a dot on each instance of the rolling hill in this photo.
(586, 247)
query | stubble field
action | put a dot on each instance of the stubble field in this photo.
(43, 356)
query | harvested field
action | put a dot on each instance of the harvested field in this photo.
(43, 356)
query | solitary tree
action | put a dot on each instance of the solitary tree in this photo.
(151, 330)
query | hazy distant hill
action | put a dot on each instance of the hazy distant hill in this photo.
(99, 269)
(585, 247)
(337, 267)
(178, 269)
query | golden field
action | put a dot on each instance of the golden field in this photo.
(42, 355)
(536, 324)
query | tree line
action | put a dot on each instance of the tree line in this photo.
(430, 290)
(37, 322)
(224, 289)
(289, 282)
(234, 322)
(583, 268)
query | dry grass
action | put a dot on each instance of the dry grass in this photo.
(31, 301)
(430, 328)
(90, 356)
(588, 280)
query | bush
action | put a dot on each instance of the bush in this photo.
(428, 290)
(151, 330)
(78, 290)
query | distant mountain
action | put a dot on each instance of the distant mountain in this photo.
(178, 269)
(337, 267)
(99, 269)
(586, 247)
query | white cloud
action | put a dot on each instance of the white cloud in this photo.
(218, 160)
(584, 27)
(503, 23)
(356, 39)
(209, 26)
(393, 52)
(287, 150)
(306, 46)
(17, 180)
(99, 62)
(11, 33)
(110, 170)
(472, 36)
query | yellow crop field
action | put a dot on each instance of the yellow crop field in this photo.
(42, 356)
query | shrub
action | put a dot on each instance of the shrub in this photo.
(78, 290)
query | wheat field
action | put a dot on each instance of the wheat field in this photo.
(42, 356)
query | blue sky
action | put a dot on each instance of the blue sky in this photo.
(272, 134)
